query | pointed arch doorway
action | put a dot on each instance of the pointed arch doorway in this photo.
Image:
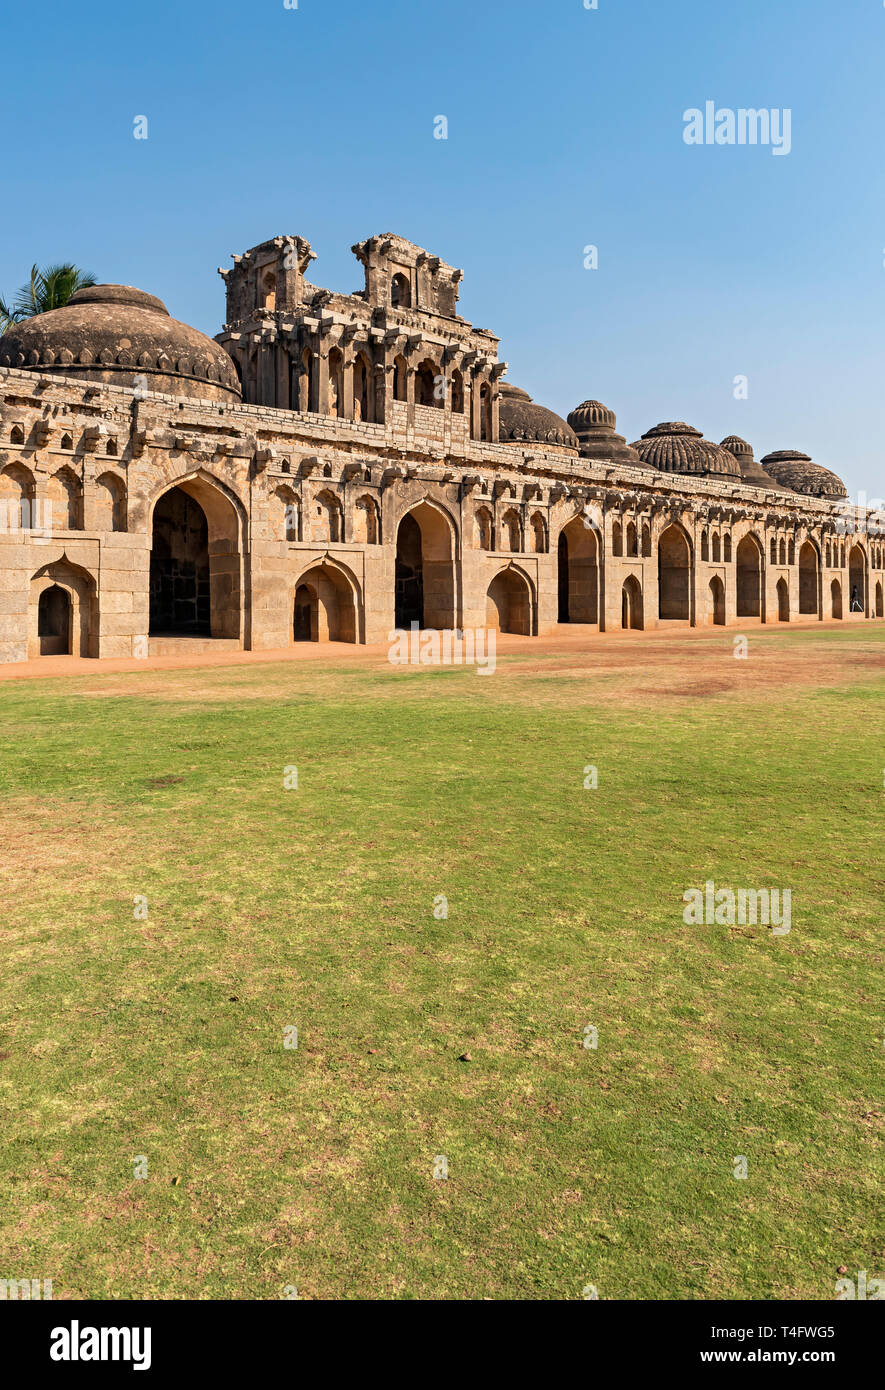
(196, 569)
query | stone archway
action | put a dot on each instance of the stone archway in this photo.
(631, 603)
(748, 563)
(578, 573)
(879, 599)
(55, 615)
(836, 599)
(857, 580)
(325, 607)
(509, 603)
(197, 581)
(425, 569)
(717, 601)
(783, 601)
(63, 612)
(809, 579)
(674, 575)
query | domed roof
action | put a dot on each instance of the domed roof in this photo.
(113, 333)
(522, 420)
(675, 447)
(737, 446)
(752, 473)
(592, 414)
(796, 471)
(594, 425)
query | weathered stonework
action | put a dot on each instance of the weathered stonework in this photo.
(373, 473)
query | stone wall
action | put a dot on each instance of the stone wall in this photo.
(301, 502)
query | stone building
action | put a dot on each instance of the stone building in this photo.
(335, 465)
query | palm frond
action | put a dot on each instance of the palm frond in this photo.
(50, 288)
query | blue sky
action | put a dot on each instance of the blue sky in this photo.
(564, 130)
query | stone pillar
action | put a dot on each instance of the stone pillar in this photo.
(284, 376)
(382, 390)
(348, 358)
(475, 405)
(322, 366)
(267, 371)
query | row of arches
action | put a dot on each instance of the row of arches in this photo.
(63, 492)
(17, 437)
(715, 548)
(195, 580)
(836, 555)
(579, 570)
(326, 520)
(630, 540)
(325, 606)
(510, 535)
(432, 386)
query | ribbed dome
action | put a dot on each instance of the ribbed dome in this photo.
(737, 446)
(675, 447)
(591, 413)
(752, 473)
(522, 420)
(796, 471)
(594, 425)
(113, 333)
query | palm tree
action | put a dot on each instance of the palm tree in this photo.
(49, 288)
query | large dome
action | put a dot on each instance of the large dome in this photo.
(752, 473)
(113, 333)
(522, 421)
(797, 472)
(594, 425)
(675, 447)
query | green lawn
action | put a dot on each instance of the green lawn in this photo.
(271, 1166)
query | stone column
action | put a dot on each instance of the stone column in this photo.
(322, 366)
(382, 390)
(284, 375)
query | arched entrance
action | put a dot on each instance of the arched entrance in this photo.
(54, 621)
(425, 569)
(879, 600)
(749, 578)
(578, 573)
(717, 601)
(809, 573)
(509, 603)
(857, 580)
(63, 611)
(180, 567)
(836, 599)
(783, 601)
(631, 603)
(409, 574)
(325, 607)
(303, 628)
(674, 574)
(196, 583)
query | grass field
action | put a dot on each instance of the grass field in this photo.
(270, 1166)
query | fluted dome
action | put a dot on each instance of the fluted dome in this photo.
(592, 414)
(752, 473)
(113, 333)
(737, 446)
(594, 425)
(523, 421)
(675, 447)
(796, 471)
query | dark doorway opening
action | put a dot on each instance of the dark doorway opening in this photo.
(304, 626)
(562, 575)
(180, 592)
(54, 622)
(409, 592)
